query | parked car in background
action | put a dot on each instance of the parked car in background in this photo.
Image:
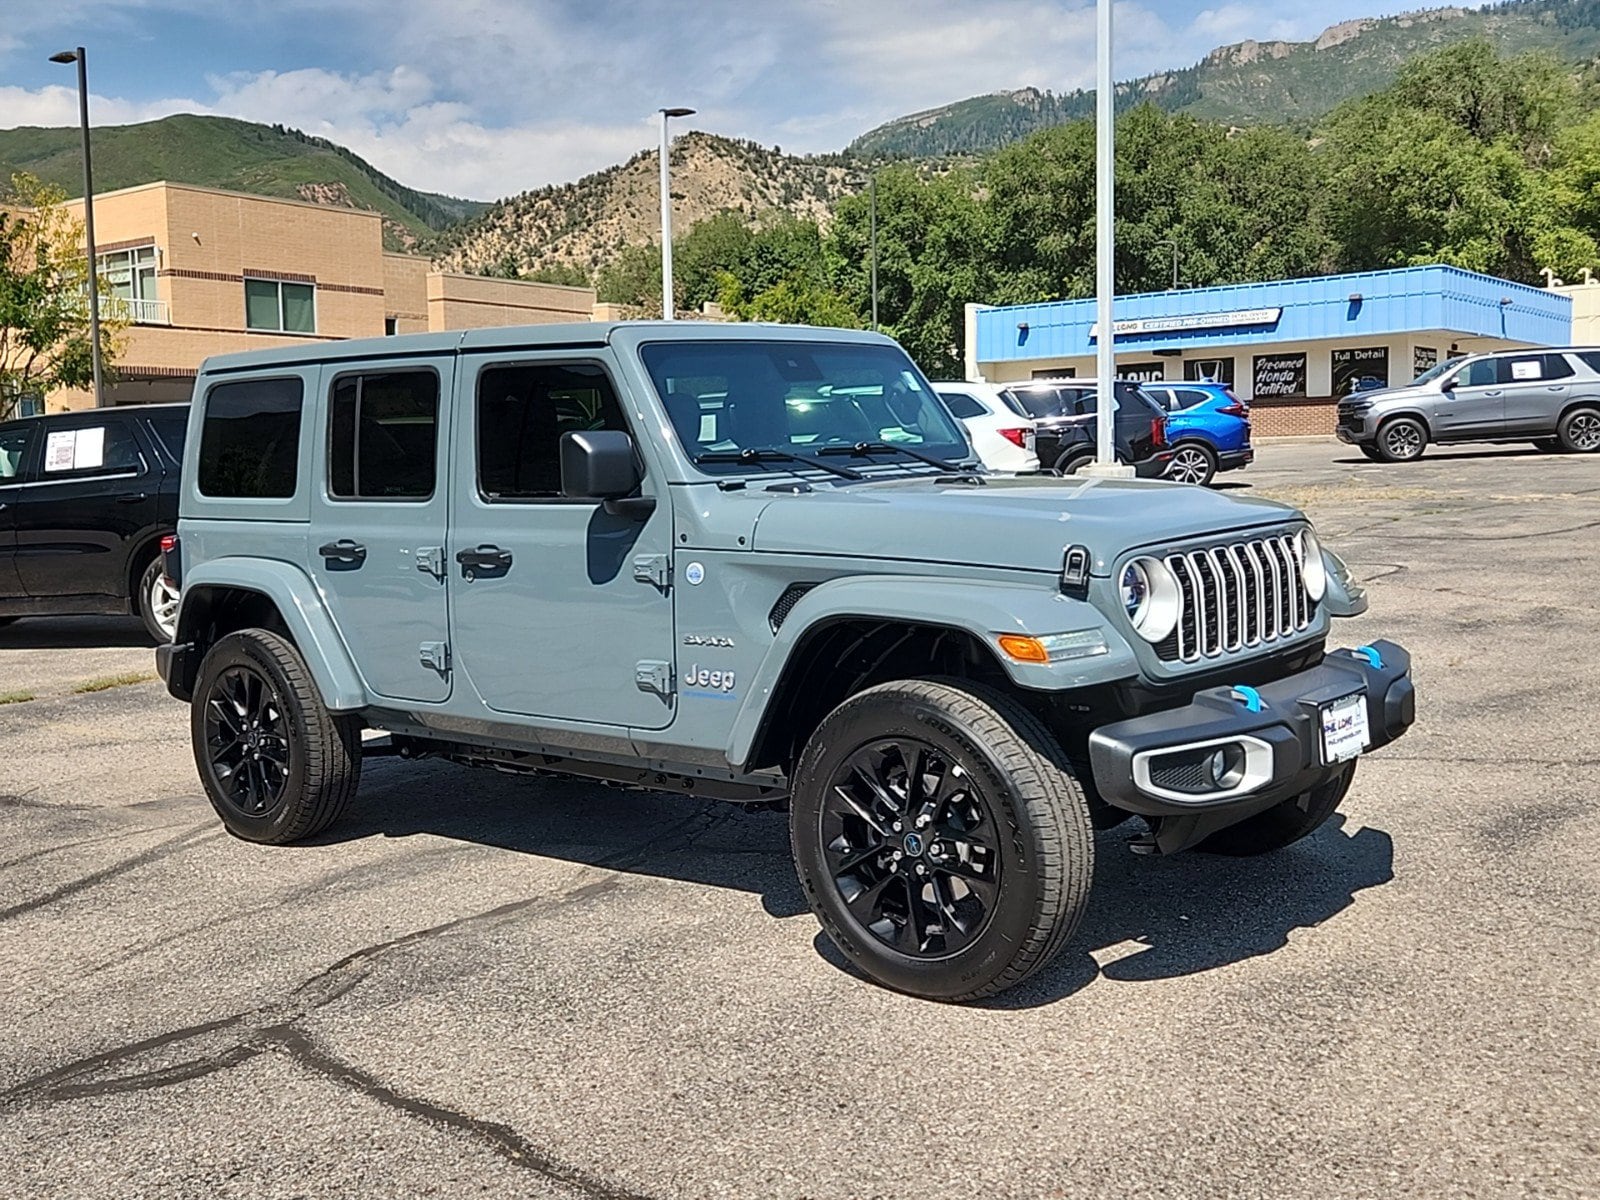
(1002, 437)
(1208, 428)
(1550, 397)
(1064, 424)
(85, 499)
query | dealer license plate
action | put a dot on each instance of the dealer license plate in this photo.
(1344, 728)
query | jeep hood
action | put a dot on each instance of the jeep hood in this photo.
(1022, 522)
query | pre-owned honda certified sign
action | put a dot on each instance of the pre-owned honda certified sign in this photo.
(1216, 320)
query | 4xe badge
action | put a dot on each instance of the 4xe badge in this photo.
(711, 681)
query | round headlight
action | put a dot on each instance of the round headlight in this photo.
(1312, 569)
(1152, 597)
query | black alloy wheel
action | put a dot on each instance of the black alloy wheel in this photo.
(911, 844)
(247, 741)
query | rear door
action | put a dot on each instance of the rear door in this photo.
(90, 499)
(378, 517)
(1536, 388)
(1475, 407)
(16, 440)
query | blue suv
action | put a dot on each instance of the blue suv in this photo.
(1208, 429)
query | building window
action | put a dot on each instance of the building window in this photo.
(128, 285)
(278, 306)
(391, 326)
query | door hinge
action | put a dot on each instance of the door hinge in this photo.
(653, 676)
(435, 655)
(431, 560)
(654, 569)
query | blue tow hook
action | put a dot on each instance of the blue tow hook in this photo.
(1371, 654)
(1248, 696)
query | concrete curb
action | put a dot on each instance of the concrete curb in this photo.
(1295, 439)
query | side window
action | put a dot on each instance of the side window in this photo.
(13, 450)
(383, 436)
(172, 431)
(522, 413)
(250, 440)
(1188, 398)
(1591, 359)
(962, 405)
(1555, 366)
(108, 449)
(1478, 374)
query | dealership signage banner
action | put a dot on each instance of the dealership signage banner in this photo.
(1143, 372)
(1208, 370)
(1280, 375)
(1182, 324)
(1353, 368)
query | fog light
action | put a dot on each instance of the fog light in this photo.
(1226, 766)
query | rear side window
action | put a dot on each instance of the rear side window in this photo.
(383, 436)
(250, 440)
(962, 405)
(102, 449)
(171, 432)
(522, 413)
(1591, 359)
(1530, 368)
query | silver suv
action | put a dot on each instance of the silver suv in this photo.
(1550, 397)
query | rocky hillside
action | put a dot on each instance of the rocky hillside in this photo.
(1254, 81)
(584, 224)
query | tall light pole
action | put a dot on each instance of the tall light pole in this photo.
(667, 306)
(1173, 242)
(81, 58)
(1105, 231)
(872, 219)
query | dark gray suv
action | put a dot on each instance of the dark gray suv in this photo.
(1550, 397)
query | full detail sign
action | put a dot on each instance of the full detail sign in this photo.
(1357, 370)
(1280, 375)
(1216, 320)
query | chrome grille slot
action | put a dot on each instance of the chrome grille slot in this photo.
(1237, 597)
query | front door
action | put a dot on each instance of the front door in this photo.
(559, 609)
(1474, 408)
(378, 521)
(92, 494)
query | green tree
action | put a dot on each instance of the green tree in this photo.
(565, 274)
(633, 277)
(45, 339)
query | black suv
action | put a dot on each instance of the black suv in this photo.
(1064, 411)
(85, 499)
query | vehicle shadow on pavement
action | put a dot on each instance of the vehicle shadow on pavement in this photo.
(1160, 918)
(75, 633)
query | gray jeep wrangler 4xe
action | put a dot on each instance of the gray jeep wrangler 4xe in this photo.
(758, 564)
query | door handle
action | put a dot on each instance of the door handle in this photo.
(133, 499)
(1558, 387)
(344, 550)
(484, 558)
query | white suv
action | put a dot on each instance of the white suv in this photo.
(1002, 437)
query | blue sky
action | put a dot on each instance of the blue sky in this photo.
(485, 98)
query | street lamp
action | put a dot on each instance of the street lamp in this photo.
(80, 57)
(667, 306)
(1105, 231)
(1173, 242)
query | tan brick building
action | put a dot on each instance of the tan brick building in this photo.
(197, 271)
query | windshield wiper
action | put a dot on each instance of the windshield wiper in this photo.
(862, 449)
(754, 455)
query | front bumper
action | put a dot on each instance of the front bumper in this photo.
(1141, 765)
(1351, 427)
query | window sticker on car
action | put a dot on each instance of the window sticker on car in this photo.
(75, 449)
(1527, 369)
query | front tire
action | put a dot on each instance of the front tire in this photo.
(1402, 440)
(941, 838)
(1284, 824)
(1369, 451)
(1192, 463)
(157, 604)
(1579, 431)
(276, 764)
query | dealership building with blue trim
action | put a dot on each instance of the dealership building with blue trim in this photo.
(1290, 347)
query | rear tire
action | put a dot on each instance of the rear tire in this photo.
(1071, 464)
(1192, 463)
(157, 604)
(276, 764)
(1283, 824)
(995, 845)
(1549, 445)
(1401, 440)
(1579, 431)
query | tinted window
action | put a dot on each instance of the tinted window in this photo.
(1131, 398)
(383, 436)
(724, 397)
(522, 413)
(962, 405)
(1478, 374)
(106, 448)
(1591, 359)
(13, 449)
(171, 431)
(1531, 368)
(250, 440)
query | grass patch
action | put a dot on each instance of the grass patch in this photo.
(103, 683)
(15, 697)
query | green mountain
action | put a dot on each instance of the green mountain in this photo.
(264, 160)
(1254, 81)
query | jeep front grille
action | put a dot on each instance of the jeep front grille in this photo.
(1237, 597)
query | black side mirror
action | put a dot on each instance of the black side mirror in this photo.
(599, 464)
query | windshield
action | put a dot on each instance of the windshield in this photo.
(724, 397)
(1437, 370)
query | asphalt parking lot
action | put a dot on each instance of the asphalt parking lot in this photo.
(489, 986)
